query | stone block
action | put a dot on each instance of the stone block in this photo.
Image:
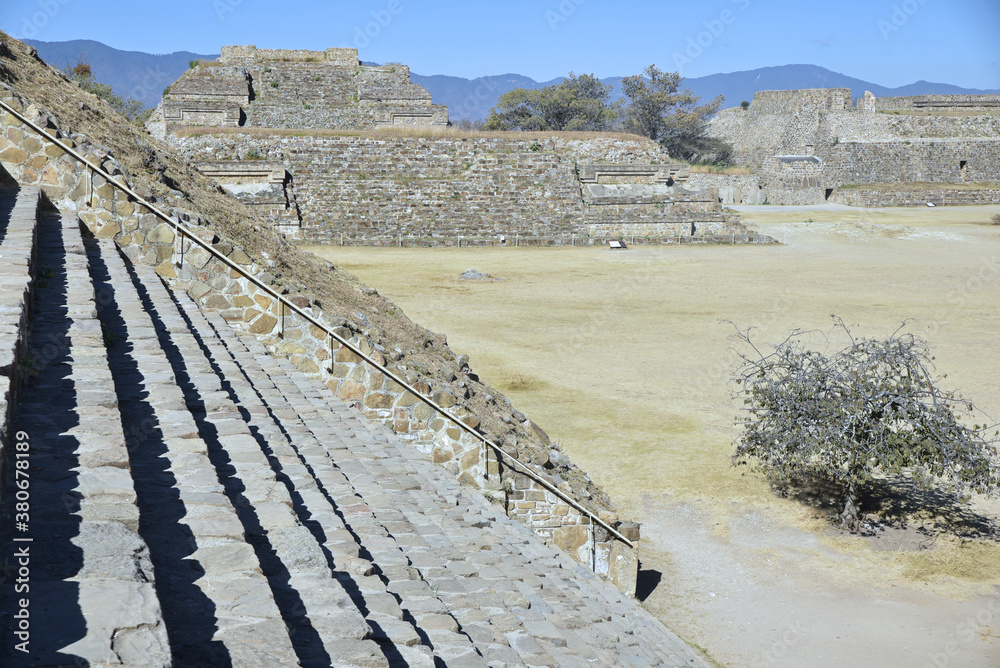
(351, 390)
(378, 400)
(14, 156)
(217, 302)
(306, 365)
(109, 231)
(570, 538)
(470, 458)
(265, 324)
(344, 355)
(444, 399)
(166, 270)
(408, 398)
(161, 234)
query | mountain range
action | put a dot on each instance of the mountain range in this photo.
(144, 76)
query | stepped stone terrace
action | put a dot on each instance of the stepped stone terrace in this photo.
(282, 88)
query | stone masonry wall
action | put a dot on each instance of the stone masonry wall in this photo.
(298, 89)
(931, 160)
(464, 190)
(146, 239)
(886, 195)
(876, 141)
(939, 103)
(731, 188)
(807, 100)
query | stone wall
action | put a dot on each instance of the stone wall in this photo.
(146, 239)
(880, 140)
(731, 188)
(797, 101)
(277, 88)
(916, 160)
(471, 190)
(939, 103)
(890, 194)
(241, 54)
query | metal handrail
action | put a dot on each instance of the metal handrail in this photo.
(179, 228)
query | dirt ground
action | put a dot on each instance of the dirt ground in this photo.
(624, 359)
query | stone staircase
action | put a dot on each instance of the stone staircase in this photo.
(197, 502)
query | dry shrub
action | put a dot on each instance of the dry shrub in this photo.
(517, 381)
(996, 219)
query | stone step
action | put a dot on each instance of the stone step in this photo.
(18, 218)
(439, 529)
(363, 554)
(254, 537)
(218, 606)
(92, 590)
(631, 630)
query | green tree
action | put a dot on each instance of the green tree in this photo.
(659, 109)
(132, 109)
(872, 408)
(575, 104)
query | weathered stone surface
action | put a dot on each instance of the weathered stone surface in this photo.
(263, 325)
(161, 234)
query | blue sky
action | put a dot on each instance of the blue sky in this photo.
(890, 42)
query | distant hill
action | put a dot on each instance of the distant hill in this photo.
(144, 76)
(140, 75)
(739, 86)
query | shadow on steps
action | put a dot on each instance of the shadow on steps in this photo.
(189, 615)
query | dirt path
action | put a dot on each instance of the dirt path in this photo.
(624, 359)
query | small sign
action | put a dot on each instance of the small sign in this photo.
(617, 245)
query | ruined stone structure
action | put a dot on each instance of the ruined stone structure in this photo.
(395, 189)
(250, 87)
(803, 146)
(391, 190)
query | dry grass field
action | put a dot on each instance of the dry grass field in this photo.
(624, 358)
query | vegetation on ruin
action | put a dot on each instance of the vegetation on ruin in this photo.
(654, 105)
(576, 104)
(660, 109)
(132, 109)
(870, 410)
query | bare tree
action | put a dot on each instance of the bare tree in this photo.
(871, 408)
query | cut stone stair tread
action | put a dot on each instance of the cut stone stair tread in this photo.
(489, 514)
(92, 590)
